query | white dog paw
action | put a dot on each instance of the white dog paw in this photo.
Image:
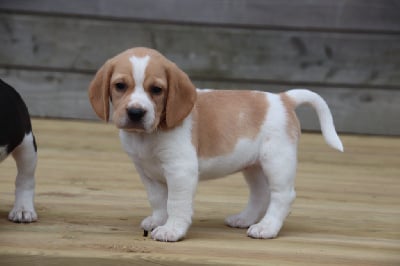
(22, 215)
(264, 230)
(239, 221)
(149, 223)
(167, 234)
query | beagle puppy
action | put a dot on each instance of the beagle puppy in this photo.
(178, 135)
(16, 138)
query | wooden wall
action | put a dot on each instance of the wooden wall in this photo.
(346, 50)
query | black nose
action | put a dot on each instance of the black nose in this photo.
(135, 114)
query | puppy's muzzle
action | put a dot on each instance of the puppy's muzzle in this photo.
(135, 114)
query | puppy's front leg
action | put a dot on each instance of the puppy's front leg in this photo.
(181, 189)
(157, 195)
(25, 157)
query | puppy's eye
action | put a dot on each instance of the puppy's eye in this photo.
(155, 90)
(120, 86)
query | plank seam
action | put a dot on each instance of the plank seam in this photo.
(214, 79)
(203, 24)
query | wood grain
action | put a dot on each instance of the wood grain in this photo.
(64, 95)
(90, 203)
(209, 53)
(347, 50)
(327, 15)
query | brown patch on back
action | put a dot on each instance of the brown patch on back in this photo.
(221, 118)
(293, 125)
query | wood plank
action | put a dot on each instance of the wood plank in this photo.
(339, 15)
(71, 44)
(367, 111)
(90, 203)
(53, 94)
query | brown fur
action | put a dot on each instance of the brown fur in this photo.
(172, 105)
(221, 118)
(99, 91)
(293, 125)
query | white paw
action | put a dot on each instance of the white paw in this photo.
(167, 234)
(239, 221)
(22, 215)
(149, 223)
(269, 229)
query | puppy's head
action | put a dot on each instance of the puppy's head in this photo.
(147, 91)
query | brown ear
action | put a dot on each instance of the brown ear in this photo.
(99, 93)
(181, 96)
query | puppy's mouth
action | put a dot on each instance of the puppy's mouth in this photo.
(133, 127)
(135, 120)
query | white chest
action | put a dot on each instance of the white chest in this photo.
(143, 151)
(162, 154)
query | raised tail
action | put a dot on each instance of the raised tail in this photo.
(302, 96)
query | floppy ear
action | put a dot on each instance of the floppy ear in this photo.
(99, 92)
(181, 96)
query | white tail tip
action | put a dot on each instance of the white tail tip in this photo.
(334, 142)
(301, 96)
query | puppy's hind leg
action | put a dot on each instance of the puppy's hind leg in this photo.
(258, 199)
(25, 157)
(279, 163)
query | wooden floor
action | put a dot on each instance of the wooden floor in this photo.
(90, 203)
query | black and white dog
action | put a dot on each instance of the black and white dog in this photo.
(16, 138)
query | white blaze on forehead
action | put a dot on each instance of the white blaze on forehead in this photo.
(139, 65)
(139, 97)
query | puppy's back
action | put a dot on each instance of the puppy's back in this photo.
(14, 117)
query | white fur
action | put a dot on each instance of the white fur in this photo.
(272, 161)
(139, 97)
(168, 165)
(139, 68)
(277, 158)
(25, 157)
(169, 170)
(301, 96)
(243, 155)
(203, 90)
(3, 153)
